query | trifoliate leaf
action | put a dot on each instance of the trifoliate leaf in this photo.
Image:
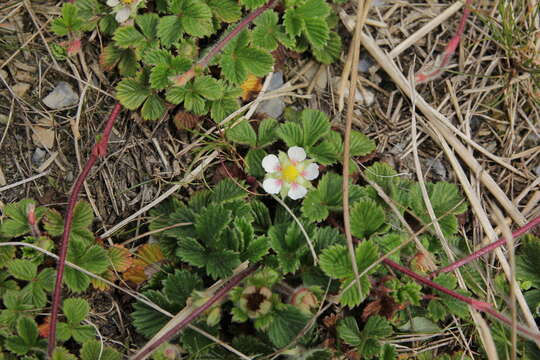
(242, 133)
(61, 353)
(336, 263)
(225, 10)
(22, 269)
(16, 222)
(289, 244)
(316, 31)
(331, 51)
(192, 252)
(288, 322)
(128, 36)
(211, 222)
(125, 59)
(83, 217)
(256, 249)
(207, 87)
(153, 108)
(68, 22)
(349, 332)
(75, 310)
(315, 126)
(132, 93)
(252, 4)
(148, 24)
(27, 339)
(92, 258)
(367, 218)
(226, 105)
(220, 264)
(196, 18)
(267, 132)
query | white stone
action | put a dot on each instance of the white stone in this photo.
(62, 96)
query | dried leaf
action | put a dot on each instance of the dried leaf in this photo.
(250, 87)
(45, 327)
(43, 133)
(185, 120)
(120, 257)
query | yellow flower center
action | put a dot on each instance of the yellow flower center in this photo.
(127, 2)
(290, 173)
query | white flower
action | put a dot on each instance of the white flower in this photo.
(289, 174)
(124, 9)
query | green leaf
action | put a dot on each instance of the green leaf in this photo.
(420, 325)
(27, 330)
(289, 244)
(192, 252)
(264, 33)
(211, 222)
(315, 125)
(252, 4)
(331, 51)
(220, 264)
(75, 309)
(225, 10)
(16, 345)
(527, 261)
(153, 108)
(27, 338)
(242, 133)
(360, 144)
(291, 133)
(226, 191)
(208, 87)
(16, 222)
(336, 263)
(267, 132)
(317, 32)
(254, 159)
(94, 350)
(147, 320)
(61, 353)
(68, 22)
(92, 258)
(196, 18)
(128, 36)
(256, 249)
(348, 331)
(131, 93)
(176, 294)
(82, 333)
(323, 153)
(83, 217)
(287, 324)
(313, 9)
(293, 23)
(367, 218)
(22, 269)
(169, 30)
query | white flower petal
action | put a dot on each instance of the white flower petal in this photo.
(113, 3)
(123, 14)
(311, 172)
(272, 186)
(270, 163)
(297, 192)
(297, 154)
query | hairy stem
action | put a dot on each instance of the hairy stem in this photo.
(235, 280)
(99, 150)
(478, 253)
(476, 304)
(202, 63)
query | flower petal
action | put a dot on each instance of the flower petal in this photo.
(311, 172)
(270, 163)
(123, 14)
(297, 154)
(272, 186)
(113, 3)
(297, 192)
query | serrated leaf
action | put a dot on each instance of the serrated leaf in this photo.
(16, 222)
(192, 252)
(313, 9)
(316, 31)
(179, 286)
(254, 159)
(148, 24)
(196, 18)
(289, 244)
(367, 218)
(22, 269)
(94, 350)
(75, 309)
(128, 36)
(256, 61)
(169, 30)
(267, 132)
(131, 93)
(264, 35)
(153, 108)
(92, 258)
(221, 264)
(291, 133)
(27, 330)
(211, 222)
(225, 10)
(360, 144)
(336, 263)
(208, 87)
(226, 191)
(256, 249)
(288, 322)
(61, 353)
(242, 133)
(147, 320)
(68, 22)
(120, 258)
(331, 51)
(252, 4)
(293, 23)
(349, 332)
(323, 153)
(315, 125)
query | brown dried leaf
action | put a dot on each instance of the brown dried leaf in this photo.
(185, 121)
(43, 133)
(251, 87)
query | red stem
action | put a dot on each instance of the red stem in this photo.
(235, 280)
(478, 253)
(188, 75)
(476, 304)
(99, 150)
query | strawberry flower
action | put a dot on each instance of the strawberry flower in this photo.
(289, 174)
(124, 9)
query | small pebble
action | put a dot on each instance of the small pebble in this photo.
(38, 156)
(274, 107)
(365, 63)
(62, 96)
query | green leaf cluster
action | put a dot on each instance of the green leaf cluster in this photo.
(75, 311)
(367, 342)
